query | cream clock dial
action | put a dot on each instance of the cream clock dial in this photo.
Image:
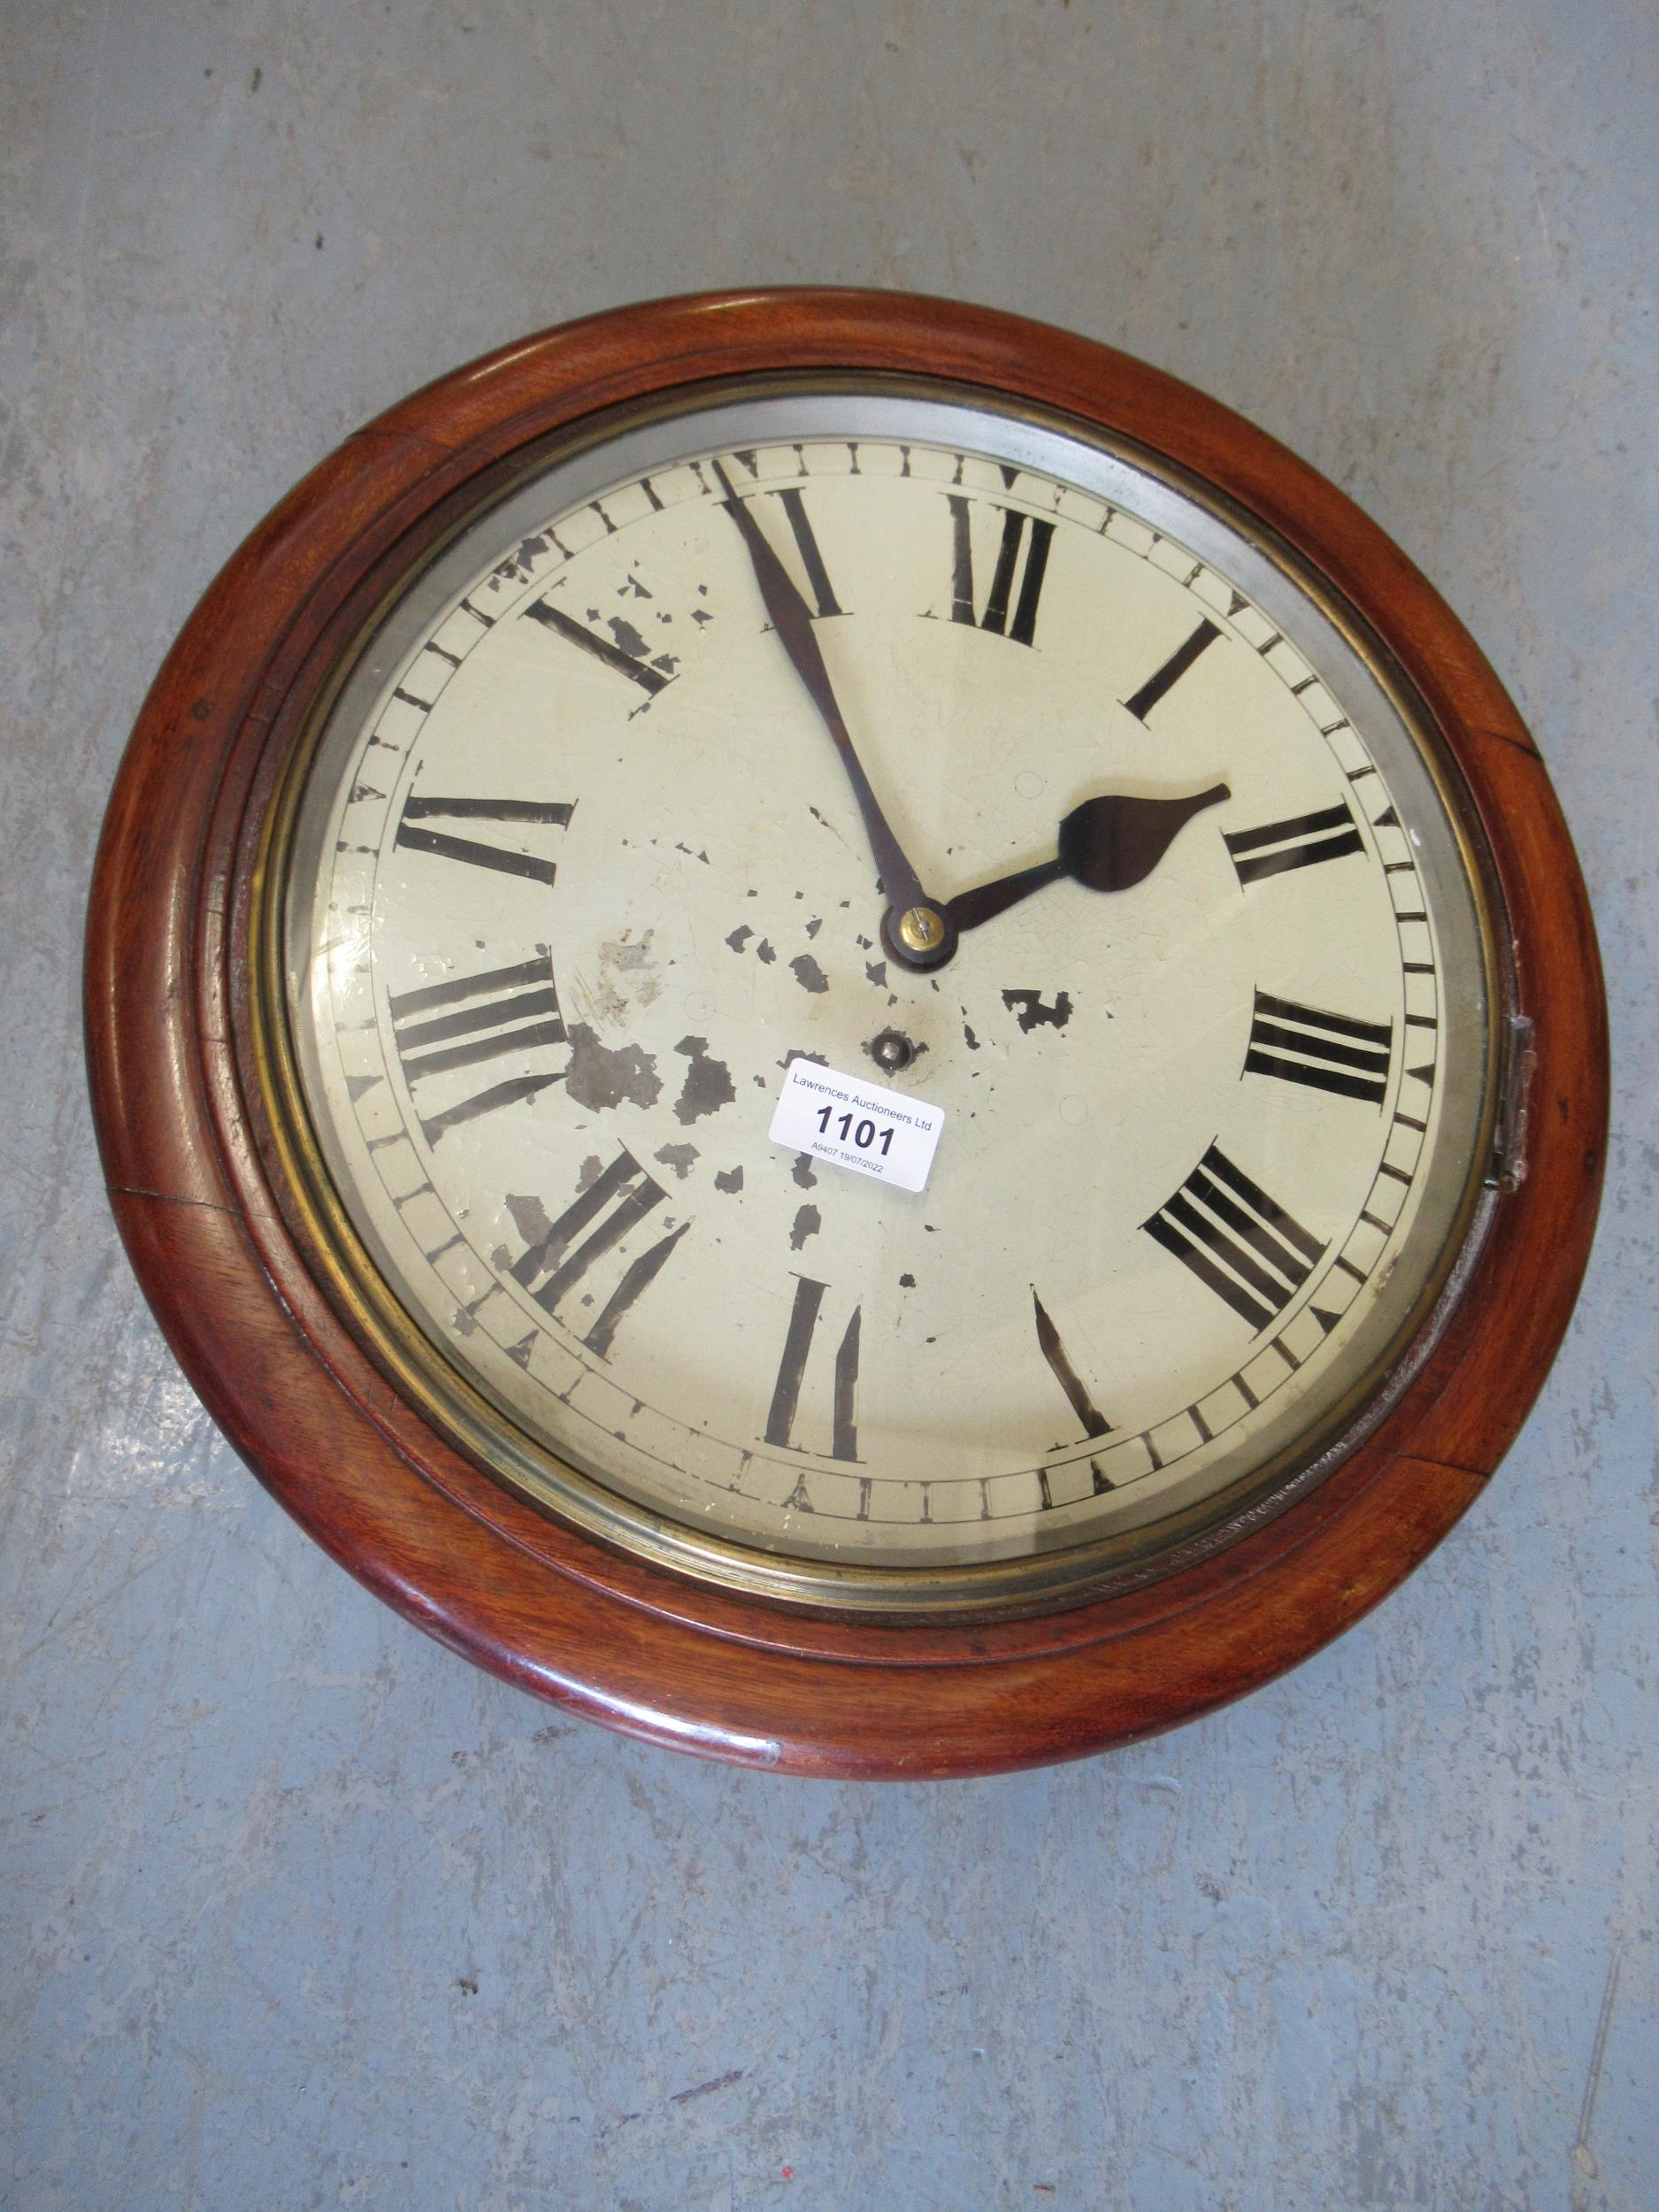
(967, 756)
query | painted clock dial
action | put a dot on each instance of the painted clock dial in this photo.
(576, 868)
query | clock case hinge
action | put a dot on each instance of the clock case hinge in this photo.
(1507, 1171)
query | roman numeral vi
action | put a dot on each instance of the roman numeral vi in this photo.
(797, 1348)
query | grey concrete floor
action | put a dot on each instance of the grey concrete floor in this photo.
(298, 1909)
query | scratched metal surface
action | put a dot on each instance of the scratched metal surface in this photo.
(296, 1909)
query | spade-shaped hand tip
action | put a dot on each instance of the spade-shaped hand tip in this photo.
(1109, 843)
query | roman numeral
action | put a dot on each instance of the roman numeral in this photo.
(1236, 1239)
(1303, 1044)
(600, 1217)
(1302, 843)
(471, 849)
(797, 1346)
(473, 1018)
(1020, 533)
(1094, 1422)
(1165, 678)
(824, 601)
(634, 664)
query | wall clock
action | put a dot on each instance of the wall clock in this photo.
(842, 1029)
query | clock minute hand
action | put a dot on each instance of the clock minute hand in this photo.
(1107, 844)
(792, 618)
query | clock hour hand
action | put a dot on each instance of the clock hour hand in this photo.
(792, 619)
(1107, 844)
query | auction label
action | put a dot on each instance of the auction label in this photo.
(853, 1123)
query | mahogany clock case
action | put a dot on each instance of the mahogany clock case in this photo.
(222, 1246)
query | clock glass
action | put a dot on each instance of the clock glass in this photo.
(957, 751)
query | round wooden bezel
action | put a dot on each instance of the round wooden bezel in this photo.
(220, 1253)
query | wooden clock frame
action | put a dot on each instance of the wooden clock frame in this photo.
(221, 1253)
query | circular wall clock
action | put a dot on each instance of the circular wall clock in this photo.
(842, 1029)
